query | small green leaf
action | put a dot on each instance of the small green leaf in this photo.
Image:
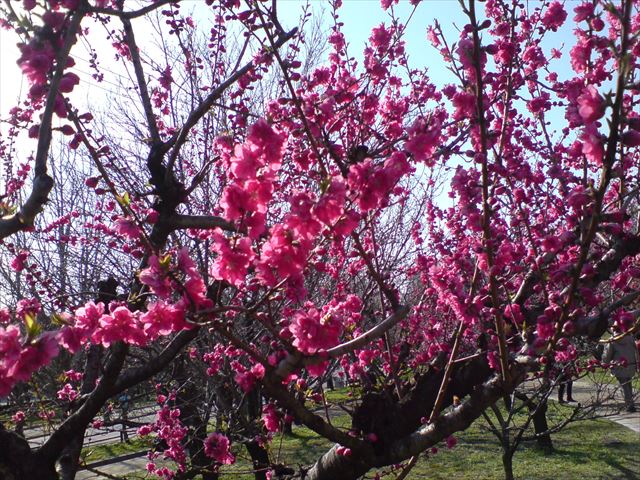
(124, 199)
(165, 261)
(58, 320)
(33, 327)
(324, 184)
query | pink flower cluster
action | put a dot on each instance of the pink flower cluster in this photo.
(169, 428)
(271, 418)
(19, 360)
(92, 322)
(373, 185)
(217, 446)
(253, 167)
(247, 378)
(312, 331)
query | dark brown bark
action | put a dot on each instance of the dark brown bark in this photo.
(259, 459)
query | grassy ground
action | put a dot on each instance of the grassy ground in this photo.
(587, 450)
(103, 452)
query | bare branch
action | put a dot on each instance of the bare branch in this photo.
(179, 221)
(133, 13)
(130, 40)
(181, 136)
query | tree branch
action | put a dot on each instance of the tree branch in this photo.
(133, 376)
(179, 222)
(130, 40)
(133, 13)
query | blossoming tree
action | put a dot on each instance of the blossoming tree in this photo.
(314, 235)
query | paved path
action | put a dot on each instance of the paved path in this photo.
(96, 436)
(609, 401)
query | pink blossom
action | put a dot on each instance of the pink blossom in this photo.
(68, 81)
(18, 417)
(247, 379)
(583, 11)
(236, 201)
(271, 417)
(19, 261)
(554, 17)
(154, 276)
(246, 162)
(120, 325)
(28, 306)
(73, 375)
(216, 446)
(36, 61)
(92, 182)
(127, 227)
(591, 105)
(300, 219)
(165, 78)
(380, 37)
(283, 256)
(72, 338)
(580, 54)
(631, 138)
(312, 332)
(67, 393)
(464, 104)
(465, 53)
(422, 140)
(331, 205)
(31, 358)
(592, 144)
(162, 318)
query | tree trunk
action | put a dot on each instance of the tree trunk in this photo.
(507, 463)
(17, 462)
(541, 427)
(70, 457)
(188, 399)
(259, 458)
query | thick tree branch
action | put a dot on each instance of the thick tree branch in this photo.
(341, 467)
(275, 389)
(179, 222)
(135, 375)
(42, 185)
(78, 420)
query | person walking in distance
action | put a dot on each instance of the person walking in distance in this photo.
(623, 351)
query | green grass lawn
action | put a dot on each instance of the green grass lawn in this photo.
(587, 450)
(594, 449)
(103, 452)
